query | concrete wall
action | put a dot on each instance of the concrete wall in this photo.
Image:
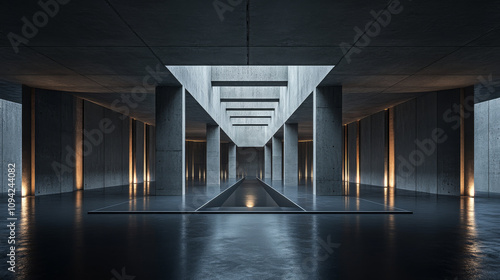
(106, 160)
(10, 146)
(427, 142)
(448, 152)
(54, 142)
(250, 162)
(305, 159)
(426, 173)
(379, 148)
(196, 154)
(151, 152)
(365, 151)
(352, 150)
(487, 147)
(404, 141)
(373, 149)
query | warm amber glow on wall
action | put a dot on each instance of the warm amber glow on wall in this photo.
(358, 179)
(32, 187)
(130, 153)
(392, 159)
(145, 154)
(79, 144)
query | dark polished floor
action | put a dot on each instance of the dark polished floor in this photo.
(444, 238)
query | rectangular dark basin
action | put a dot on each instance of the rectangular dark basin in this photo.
(250, 195)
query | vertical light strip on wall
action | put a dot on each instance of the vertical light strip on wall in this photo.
(145, 153)
(462, 144)
(32, 187)
(386, 147)
(79, 143)
(130, 153)
(392, 159)
(357, 153)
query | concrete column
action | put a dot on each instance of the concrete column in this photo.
(213, 155)
(327, 145)
(277, 159)
(291, 154)
(170, 140)
(268, 159)
(231, 163)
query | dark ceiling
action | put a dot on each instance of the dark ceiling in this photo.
(103, 48)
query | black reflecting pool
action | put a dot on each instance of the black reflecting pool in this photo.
(250, 195)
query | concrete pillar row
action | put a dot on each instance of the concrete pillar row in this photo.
(327, 145)
(213, 154)
(291, 154)
(277, 159)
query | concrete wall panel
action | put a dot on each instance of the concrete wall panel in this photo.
(139, 151)
(481, 147)
(404, 136)
(93, 148)
(291, 154)
(10, 146)
(67, 136)
(352, 131)
(448, 158)
(48, 142)
(379, 134)
(113, 150)
(365, 149)
(426, 124)
(494, 146)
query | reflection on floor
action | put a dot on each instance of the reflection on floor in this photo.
(445, 238)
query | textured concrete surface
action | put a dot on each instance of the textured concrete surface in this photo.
(268, 161)
(448, 159)
(250, 162)
(105, 147)
(277, 170)
(54, 142)
(379, 148)
(352, 131)
(426, 123)
(139, 150)
(10, 146)
(170, 141)
(231, 161)
(401, 59)
(404, 136)
(213, 155)
(365, 151)
(151, 140)
(93, 159)
(327, 145)
(290, 155)
(481, 146)
(494, 146)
